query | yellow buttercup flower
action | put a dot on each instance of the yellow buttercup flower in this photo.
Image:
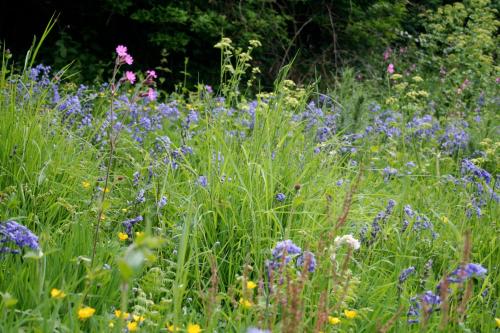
(245, 303)
(333, 320)
(85, 313)
(132, 326)
(251, 285)
(121, 315)
(122, 236)
(57, 294)
(350, 314)
(85, 184)
(193, 328)
(497, 321)
(138, 319)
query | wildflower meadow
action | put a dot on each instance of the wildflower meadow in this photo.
(370, 205)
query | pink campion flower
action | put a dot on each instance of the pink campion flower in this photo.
(130, 76)
(128, 59)
(121, 50)
(152, 74)
(387, 53)
(497, 80)
(390, 69)
(152, 94)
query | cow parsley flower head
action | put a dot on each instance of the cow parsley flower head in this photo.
(257, 330)
(347, 239)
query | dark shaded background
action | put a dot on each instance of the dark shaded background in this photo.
(325, 35)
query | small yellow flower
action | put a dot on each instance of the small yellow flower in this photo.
(103, 217)
(122, 236)
(333, 320)
(132, 326)
(138, 319)
(193, 328)
(57, 294)
(106, 190)
(124, 210)
(350, 314)
(245, 303)
(111, 324)
(173, 328)
(251, 285)
(85, 184)
(120, 314)
(497, 321)
(85, 313)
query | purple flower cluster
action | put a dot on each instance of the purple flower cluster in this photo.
(455, 137)
(379, 220)
(466, 272)
(387, 123)
(307, 258)
(129, 224)
(13, 232)
(430, 301)
(389, 173)
(285, 251)
(420, 222)
(423, 128)
(479, 181)
(280, 197)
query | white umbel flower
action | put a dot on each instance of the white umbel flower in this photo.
(349, 240)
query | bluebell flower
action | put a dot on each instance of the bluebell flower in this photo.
(455, 138)
(463, 273)
(309, 258)
(406, 273)
(129, 224)
(162, 202)
(13, 232)
(469, 168)
(389, 173)
(141, 198)
(136, 176)
(280, 197)
(202, 181)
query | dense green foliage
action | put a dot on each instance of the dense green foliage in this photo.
(323, 35)
(150, 210)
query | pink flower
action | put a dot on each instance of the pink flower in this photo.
(151, 94)
(209, 89)
(390, 69)
(130, 76)
(121, 50)
(152, 74)
(387, 53)
(128, 59)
